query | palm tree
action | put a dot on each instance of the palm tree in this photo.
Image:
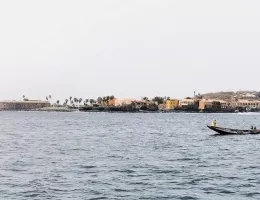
(47, 98)
(66, 102)
(25, 99)
(58, 102)
(76, 100)
(80, 100)
(104, 99)
(145, 98)
(50, 99)
(99, 100)
(70, 98)
(86, 101)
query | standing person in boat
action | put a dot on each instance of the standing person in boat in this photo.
(214, 123)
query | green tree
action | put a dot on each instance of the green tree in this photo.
(159, 100)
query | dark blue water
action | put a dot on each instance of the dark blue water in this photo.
(126, 156)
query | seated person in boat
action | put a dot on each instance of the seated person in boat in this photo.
(214, 123)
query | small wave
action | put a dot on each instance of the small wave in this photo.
(186, 159)
(226, 192)
(188, 198)
(18, 170)
(167, 171)
(252, 194)
(121, 190)
(87, 166)
(128, 171)
(58, 190)
(139, 183)
(98, 198)
(32, 195)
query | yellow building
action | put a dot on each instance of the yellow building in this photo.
(172, 104)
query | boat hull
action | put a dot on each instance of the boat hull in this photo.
(228, 131)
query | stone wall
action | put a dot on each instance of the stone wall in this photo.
(23, 105)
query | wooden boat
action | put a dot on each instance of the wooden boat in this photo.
(229, 131)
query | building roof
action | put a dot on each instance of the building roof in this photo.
(188, 100)
(213, 100)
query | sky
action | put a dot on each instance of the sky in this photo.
(127, 48)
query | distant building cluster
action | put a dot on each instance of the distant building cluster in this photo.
(239, 102)
(246, 102)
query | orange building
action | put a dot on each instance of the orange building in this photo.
(210, 103)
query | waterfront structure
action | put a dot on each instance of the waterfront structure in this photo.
(205, 104)
(23, 105)
(120, 102)
(187, 102)
(242, 103)
(171, 104)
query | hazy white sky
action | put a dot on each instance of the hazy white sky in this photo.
(128, 48)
